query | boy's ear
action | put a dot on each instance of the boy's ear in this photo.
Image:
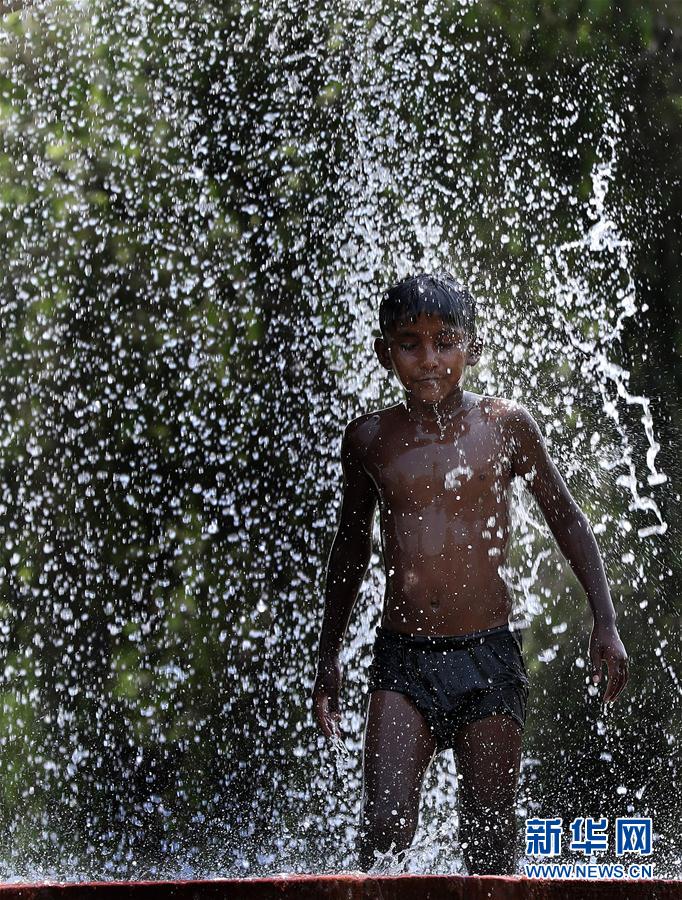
(381, 350)
(474, 351)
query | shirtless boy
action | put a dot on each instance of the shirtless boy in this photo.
(447, 671)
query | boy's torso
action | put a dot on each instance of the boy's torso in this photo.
(444, 506)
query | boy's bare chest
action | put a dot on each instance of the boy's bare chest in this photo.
(460, 471)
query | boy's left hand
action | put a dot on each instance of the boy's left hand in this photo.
(607, 647)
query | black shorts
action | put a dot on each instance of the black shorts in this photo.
(453, 679)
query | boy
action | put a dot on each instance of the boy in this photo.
(447, 671)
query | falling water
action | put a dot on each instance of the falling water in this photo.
(200, 209)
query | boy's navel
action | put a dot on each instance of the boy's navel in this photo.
(411, 578)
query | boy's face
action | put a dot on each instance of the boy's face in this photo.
(429, 357)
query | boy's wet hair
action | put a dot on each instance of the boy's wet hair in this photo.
(438, 294)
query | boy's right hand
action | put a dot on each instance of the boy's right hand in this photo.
(326, 696)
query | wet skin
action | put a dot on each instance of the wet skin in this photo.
(440, 467)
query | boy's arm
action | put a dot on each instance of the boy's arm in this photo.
(351, 550)
(576, 541)
(348, 560)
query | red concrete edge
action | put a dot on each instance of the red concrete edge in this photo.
(351, 887)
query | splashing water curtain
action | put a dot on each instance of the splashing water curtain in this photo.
(200, 210)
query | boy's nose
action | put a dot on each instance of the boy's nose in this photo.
(429, 362)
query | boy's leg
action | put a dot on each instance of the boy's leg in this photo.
(488, 760)
(398, 748)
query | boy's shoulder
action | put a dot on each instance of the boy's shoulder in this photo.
(361, 431)
(499, 408)
(514, 422)
(364, 429)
